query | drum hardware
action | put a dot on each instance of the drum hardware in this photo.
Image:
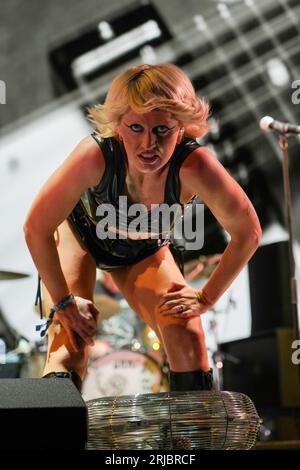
(9, 335)
(14, 360)
(34, 358)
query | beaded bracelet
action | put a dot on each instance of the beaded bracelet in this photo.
(59, 306)
(63, 303)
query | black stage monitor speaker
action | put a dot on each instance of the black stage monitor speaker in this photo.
(261, 367)
(42, 414)
(269, 279)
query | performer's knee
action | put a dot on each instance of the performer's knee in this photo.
(185, 345)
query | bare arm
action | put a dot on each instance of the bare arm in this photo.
(234, 211)
(83, 168)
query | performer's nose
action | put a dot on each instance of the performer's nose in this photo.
(149, 141)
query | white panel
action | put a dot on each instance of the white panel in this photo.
(28, 157)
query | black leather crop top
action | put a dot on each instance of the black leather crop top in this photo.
(109, 253)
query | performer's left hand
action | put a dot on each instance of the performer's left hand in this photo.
(181, 301)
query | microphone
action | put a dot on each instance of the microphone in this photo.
(267, 123)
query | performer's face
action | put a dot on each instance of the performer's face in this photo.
(149, 139)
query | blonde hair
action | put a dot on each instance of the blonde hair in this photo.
(146, 87)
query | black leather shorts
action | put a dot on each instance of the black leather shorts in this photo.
(110, 254)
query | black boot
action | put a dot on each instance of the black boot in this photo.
(184, 382)
(66, 375)
(193, 380)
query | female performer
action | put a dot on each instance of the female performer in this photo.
(143, 150)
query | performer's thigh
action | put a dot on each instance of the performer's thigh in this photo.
(143, 286)
(79, 270)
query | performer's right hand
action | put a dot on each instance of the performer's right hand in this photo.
(79, 319)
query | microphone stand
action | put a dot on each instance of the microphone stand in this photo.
(283, 143)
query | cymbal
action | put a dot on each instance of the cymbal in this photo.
(10, 275)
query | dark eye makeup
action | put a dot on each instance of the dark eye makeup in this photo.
(160, 129)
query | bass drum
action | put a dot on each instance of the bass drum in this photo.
(123, 372)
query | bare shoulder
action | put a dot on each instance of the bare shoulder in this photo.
(200, 159)
(201, 169)
(210, 180)
(89, 154)
(89, 143)
(203, 163)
